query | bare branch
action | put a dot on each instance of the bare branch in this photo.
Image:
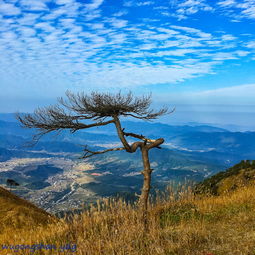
(155, 144)
(141, 137)
(121, 134)
(100, 105)
(53, 118)
(88, 153)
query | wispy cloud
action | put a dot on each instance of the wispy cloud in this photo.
(94, 4)
(65, 43)
(145, 3)
(242, 94)
(9, 9)
(185, 8)
(238, 9)
(227, 3)
(251, 45)
(33, 5)
(229, 96)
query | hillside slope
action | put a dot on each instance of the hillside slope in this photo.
(240, 175)
(16, 212)
(215, 225)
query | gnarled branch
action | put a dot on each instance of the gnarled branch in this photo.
(155, 144)
(88, 153)
(141, 137)
(121, 134)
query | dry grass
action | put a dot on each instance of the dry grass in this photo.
(16, 213)
(188, 226)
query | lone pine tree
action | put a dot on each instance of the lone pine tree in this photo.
(101, 109)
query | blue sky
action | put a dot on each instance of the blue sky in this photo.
(183, 51)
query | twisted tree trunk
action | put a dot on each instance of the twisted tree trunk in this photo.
(145, 145)
(146, 185)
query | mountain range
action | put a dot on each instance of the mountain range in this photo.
(53, 177)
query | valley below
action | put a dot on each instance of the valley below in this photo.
(53, 176)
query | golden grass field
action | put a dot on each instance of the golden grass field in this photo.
(223, 225)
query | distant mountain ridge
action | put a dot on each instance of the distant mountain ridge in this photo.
(190, 152)
(149, 128)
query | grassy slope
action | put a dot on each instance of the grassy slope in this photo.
(18, 213)
(221, 225)
(240, 175)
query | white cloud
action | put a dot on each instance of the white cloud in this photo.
(33, 5)
(179, 52)
(193, 31)
(189, 3)
(96, 26)
(121, 76)
(128, 3)
(251, 45)
(242, 53)
(55, 14)
(27, 32)
(243, 9)
(228, 38)
(94, 4)
(170, 44)
(249, 12)
(28, 19)
(9, 35)
(9, 9)
(145, 3)
(167, 31)
(45, 26)
(226, 3)
(235, 91)
(120, 13)
(67, 44)
(188, 7)
(64, 2)
(148, 46)
(119, 23)
(223, 56)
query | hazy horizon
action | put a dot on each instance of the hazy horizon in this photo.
(233, 118)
